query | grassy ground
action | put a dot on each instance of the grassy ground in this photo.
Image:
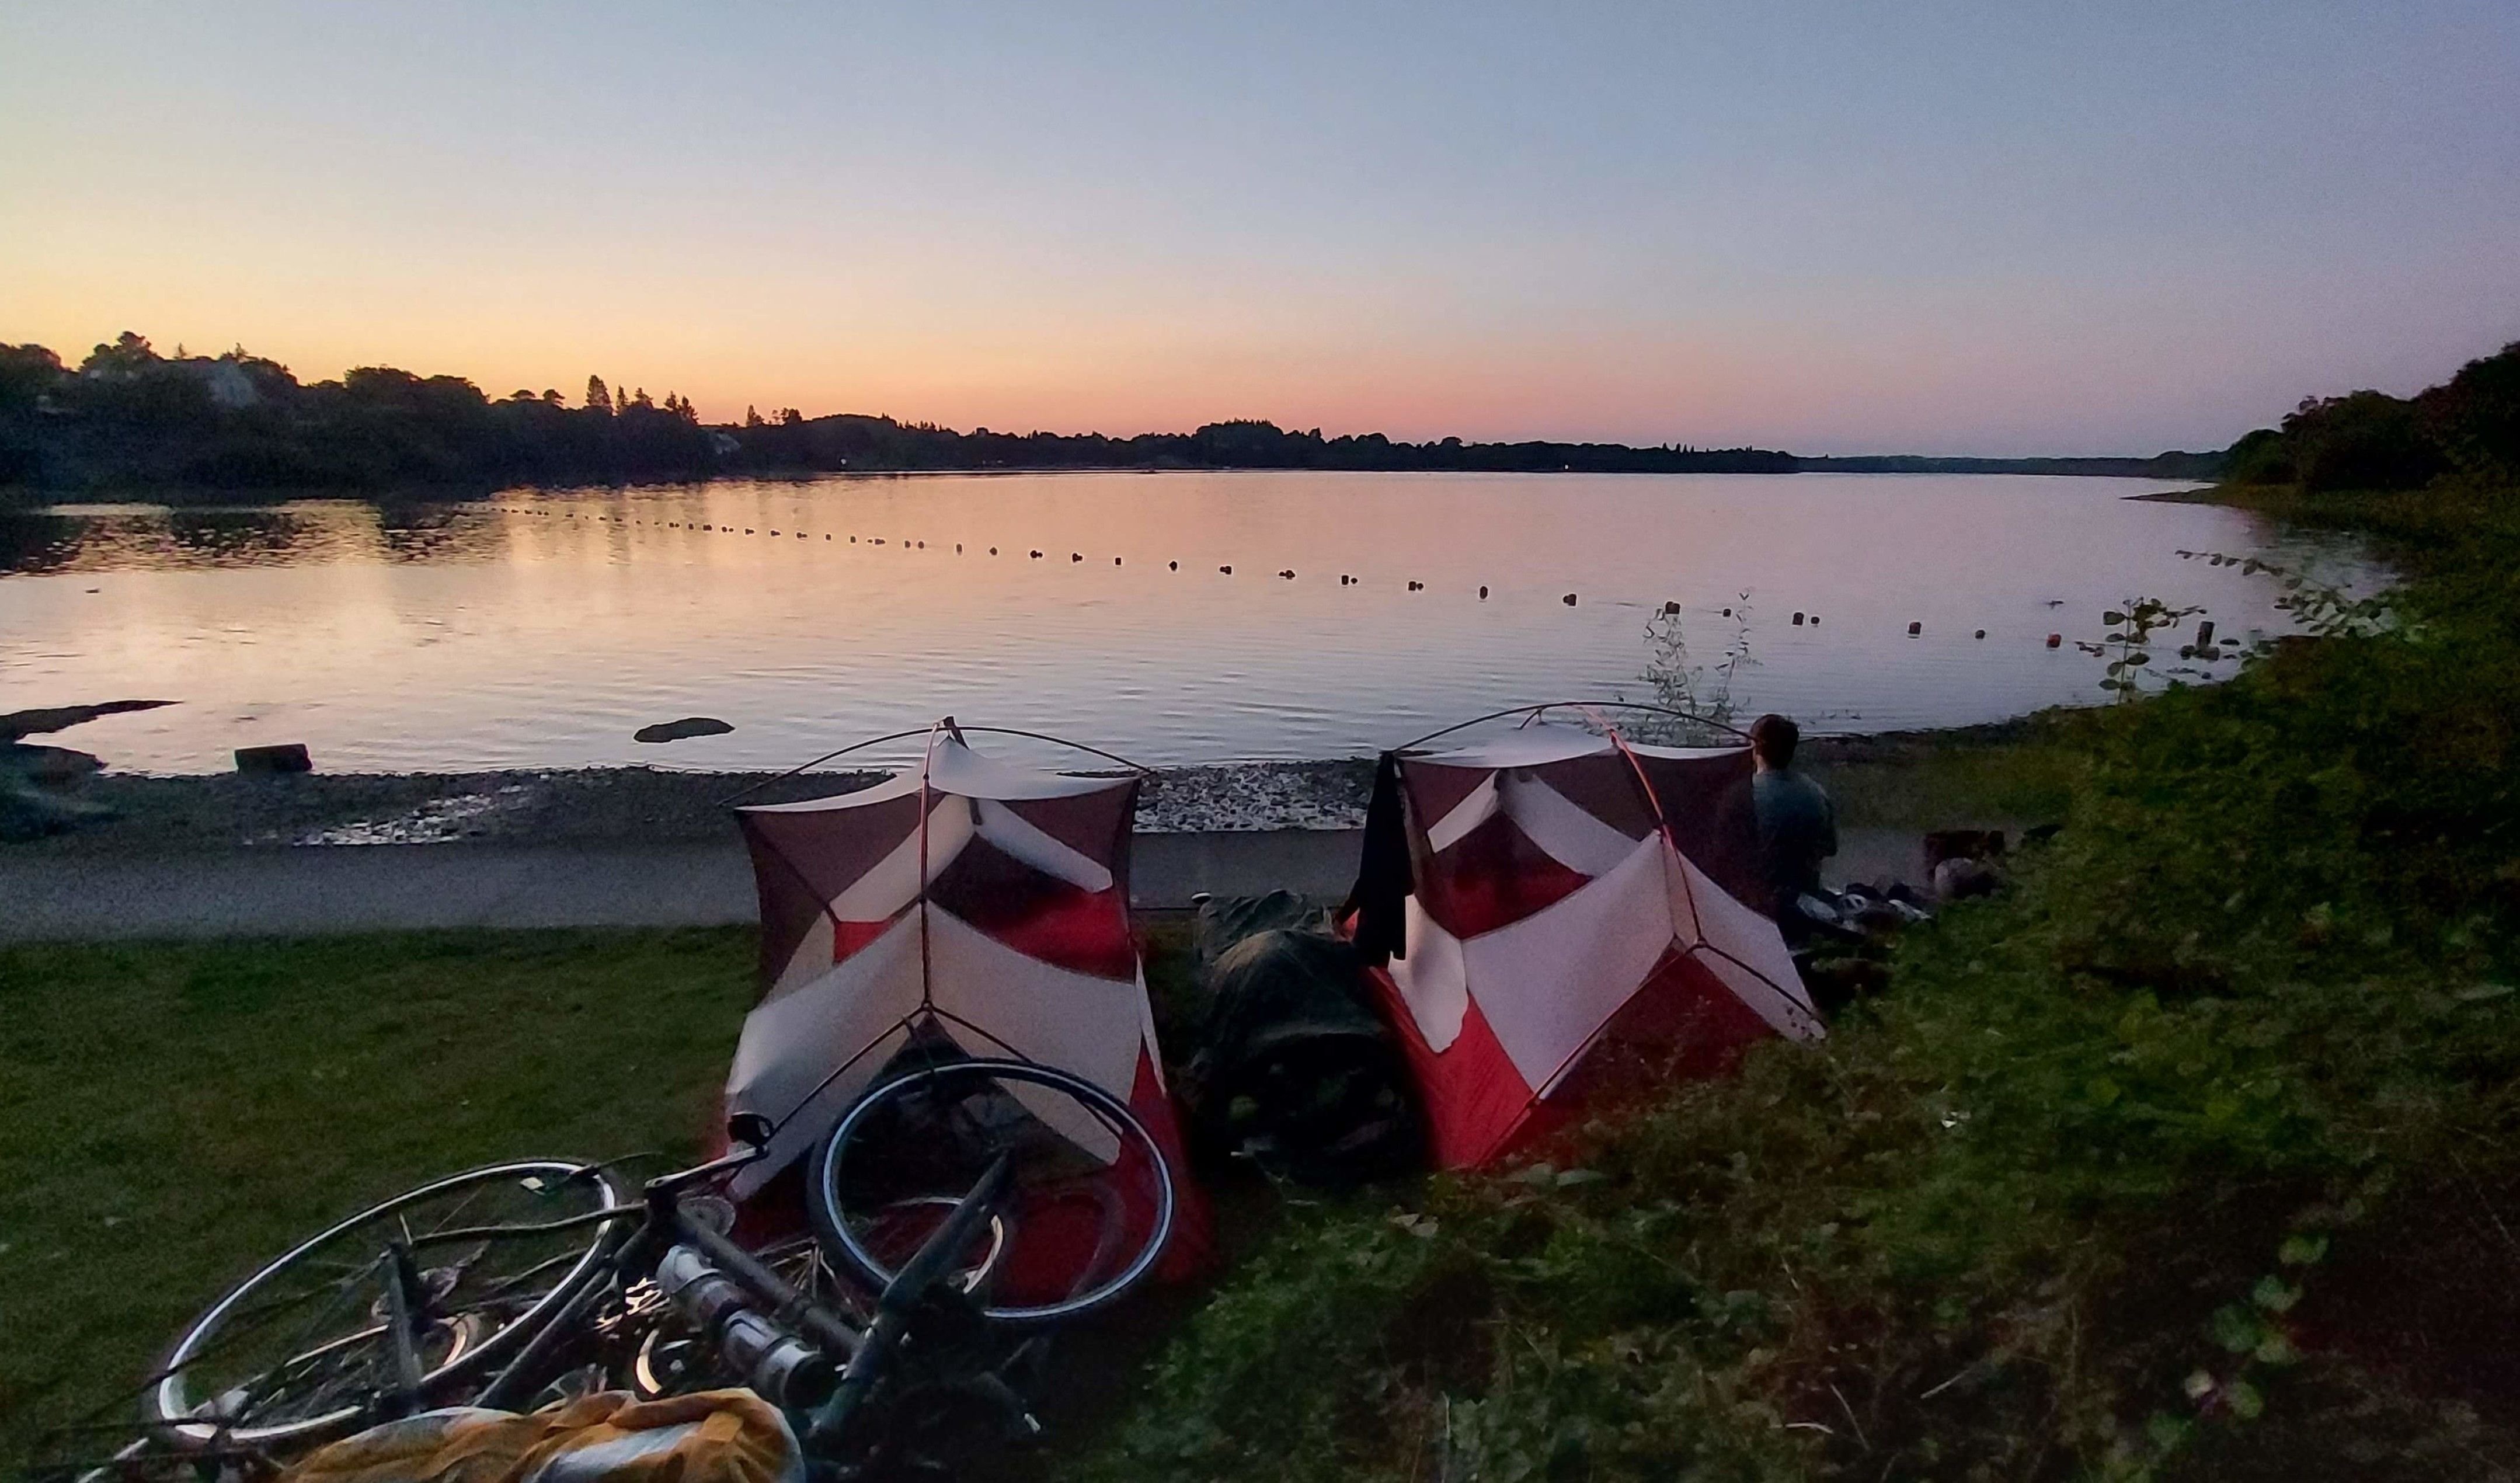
(169, 1114)
(2195, 1154)
(1978, 777)
(1778, 1256)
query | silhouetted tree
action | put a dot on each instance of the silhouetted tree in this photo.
(2475, 416)
(2361, 440)
(2261, 458)
(128, 357)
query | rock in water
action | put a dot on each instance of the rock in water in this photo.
(285, 758)
(676, 731)
(27, 723)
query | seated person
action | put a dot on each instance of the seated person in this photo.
(1797, 824)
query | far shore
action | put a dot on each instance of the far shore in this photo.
(23, 499)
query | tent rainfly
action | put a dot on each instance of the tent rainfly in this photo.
(1548, 907)
(969, 901)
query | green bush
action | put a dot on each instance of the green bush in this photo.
(2193, 1153)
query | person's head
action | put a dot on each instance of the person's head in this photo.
(1773, 740)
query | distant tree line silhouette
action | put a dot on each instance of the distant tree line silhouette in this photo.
(129, 418)
(2161, 466)
(880, 442)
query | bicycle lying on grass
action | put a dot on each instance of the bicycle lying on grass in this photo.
(958, 1210)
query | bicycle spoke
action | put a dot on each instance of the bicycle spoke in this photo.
(348, 1287)
(462, 1205)
(504, 1285)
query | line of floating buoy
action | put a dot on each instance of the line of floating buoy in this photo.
(1799, 618)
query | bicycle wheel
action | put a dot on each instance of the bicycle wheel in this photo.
(1089, 1213)
(304, 1348)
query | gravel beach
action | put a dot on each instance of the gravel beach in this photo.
(169, 815)
(610, 806)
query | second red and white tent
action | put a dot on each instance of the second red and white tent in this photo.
(1556, 902)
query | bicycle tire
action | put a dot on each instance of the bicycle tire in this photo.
(841, 1243)
(168, 1407)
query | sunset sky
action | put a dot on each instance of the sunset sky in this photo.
(1999, 228)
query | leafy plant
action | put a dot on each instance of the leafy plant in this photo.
(2129, 644)
(1675, 682)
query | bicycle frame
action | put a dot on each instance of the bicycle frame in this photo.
(666, 1224)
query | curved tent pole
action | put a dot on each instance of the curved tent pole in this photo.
(734, 798)
(731, 799)
(906, 1023)
(1009, 731)
(1533, 712)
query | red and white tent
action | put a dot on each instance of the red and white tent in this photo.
(1553, 905)
(967, 899)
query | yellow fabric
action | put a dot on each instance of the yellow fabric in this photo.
(715, 1436)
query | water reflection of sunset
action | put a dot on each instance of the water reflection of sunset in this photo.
(542, 629)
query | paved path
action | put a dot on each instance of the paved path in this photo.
(383, 888)
(362, 888)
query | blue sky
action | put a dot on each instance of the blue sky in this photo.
(1988, 228)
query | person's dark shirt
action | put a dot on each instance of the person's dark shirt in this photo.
(1797, 831)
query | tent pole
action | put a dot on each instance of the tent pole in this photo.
(1546, 705)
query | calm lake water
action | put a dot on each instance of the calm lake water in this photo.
(540, 629)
